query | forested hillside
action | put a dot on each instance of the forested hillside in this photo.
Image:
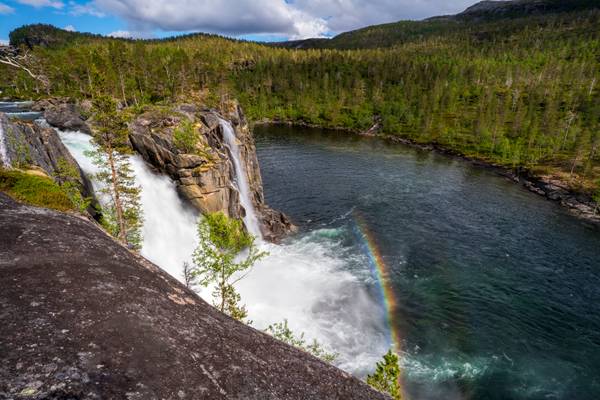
(476, 21)
(522, 90)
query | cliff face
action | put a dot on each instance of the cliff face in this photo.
(82, 317)
(30, 144)
(206, 176)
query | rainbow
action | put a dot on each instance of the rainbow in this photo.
(380, 271)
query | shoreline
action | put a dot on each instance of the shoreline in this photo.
(578, 204)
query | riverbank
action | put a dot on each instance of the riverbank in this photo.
(551, 187)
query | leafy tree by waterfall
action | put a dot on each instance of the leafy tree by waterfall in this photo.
(223, 257)
(386, 377)
(281, 331)
(122, 215)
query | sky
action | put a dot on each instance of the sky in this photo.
(265, 20)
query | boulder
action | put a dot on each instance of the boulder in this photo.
(64, 115)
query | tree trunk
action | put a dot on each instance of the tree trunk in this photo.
(123, 90)
(223, 289)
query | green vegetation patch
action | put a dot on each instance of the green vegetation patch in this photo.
(185, 137)
(34, 189)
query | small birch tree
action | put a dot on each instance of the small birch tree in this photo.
(224, 256)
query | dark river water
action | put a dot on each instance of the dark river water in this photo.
(493, 292)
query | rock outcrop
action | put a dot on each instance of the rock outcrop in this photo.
(579, 203)
(205, 176)
(84, 318)
(34, 144)
(63, 114)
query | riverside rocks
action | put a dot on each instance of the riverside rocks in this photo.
(206, 176)
(84, 318)
(63, 115)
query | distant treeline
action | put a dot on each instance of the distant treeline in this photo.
(522, 92)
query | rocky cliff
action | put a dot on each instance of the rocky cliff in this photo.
(84, 318)
(31, 144)
(204, 173)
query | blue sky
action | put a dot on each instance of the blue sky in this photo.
(249, 19)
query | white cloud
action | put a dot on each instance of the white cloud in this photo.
(4, 42)
(292, 18)
(121, 34)
(43, 3)
(345, 15)
(4, 9)
(77, 9)
(219, 16)
(70, 28)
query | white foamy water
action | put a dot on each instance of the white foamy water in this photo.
(3, 150)
(305, 281)
(78, 143)
(308, 283)
(169, 229)
(250, 219)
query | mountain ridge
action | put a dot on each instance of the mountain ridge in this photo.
(486, 11)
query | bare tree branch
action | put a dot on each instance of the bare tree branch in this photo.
(10, 56)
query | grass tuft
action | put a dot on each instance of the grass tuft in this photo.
(34, 189)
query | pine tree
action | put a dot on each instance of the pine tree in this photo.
(122, 213)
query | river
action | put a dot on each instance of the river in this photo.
(489, 291)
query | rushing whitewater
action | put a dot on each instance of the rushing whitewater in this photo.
(3, 150)
(306, 281)
(250, 219)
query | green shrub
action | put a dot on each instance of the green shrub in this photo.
(281, 331)
(386, 377)
(67, 176)
(35, 190)
(185, 137)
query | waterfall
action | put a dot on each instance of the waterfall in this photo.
(3, 149)
(241, 179)
(307, 281)
(169, 227)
